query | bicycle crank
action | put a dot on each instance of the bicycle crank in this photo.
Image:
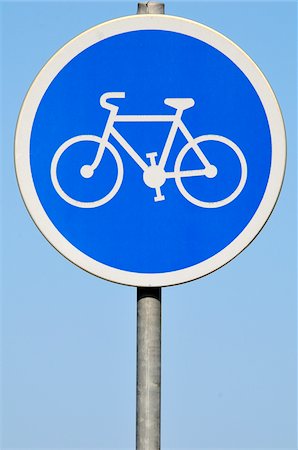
(154, 177)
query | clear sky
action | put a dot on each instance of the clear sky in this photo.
(69, 339)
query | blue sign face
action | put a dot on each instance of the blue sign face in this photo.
(151, 152)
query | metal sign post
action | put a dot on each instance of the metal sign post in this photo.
(148, 343)
(148, 368)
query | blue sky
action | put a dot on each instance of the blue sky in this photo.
(69, 339)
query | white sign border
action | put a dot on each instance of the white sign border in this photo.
(65, 55)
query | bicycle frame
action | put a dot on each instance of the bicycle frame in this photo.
(177, 124)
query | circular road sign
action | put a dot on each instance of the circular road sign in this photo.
(150, 150)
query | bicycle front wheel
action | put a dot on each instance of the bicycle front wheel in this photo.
(72, 181)
(219, 187)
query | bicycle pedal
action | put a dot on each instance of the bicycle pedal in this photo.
(159, 198)
(152, 154)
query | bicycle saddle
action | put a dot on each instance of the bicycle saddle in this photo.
(179, 103)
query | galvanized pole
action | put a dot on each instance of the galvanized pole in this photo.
(151, 8)
(148, 343)
(148, 368)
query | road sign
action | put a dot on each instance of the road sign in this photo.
(150, 150)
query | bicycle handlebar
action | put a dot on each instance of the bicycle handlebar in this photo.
(110, 95)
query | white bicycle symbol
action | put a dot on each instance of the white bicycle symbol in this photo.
(154, 174)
